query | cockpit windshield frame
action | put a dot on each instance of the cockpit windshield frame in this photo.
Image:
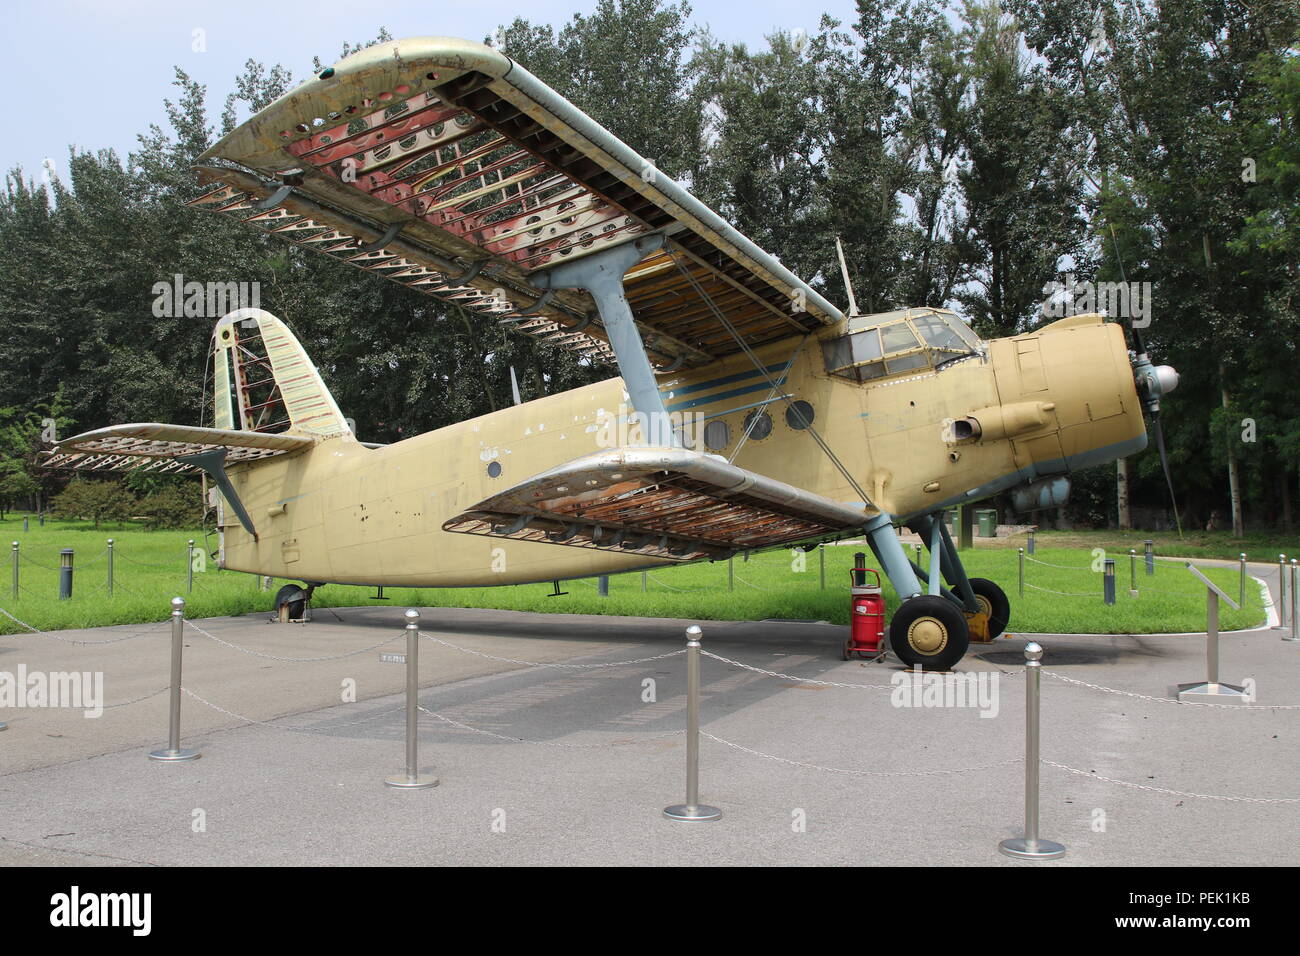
(882, 346)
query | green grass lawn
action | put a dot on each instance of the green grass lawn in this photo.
(1258, 546)
(150, 569)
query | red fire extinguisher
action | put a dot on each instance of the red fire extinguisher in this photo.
(867, 622)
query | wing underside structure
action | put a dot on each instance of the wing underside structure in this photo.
(446, 167)
(664, 503)
(161, 448)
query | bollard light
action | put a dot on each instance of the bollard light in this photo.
(1108, 582)
(692, 809)
(1151, 557)
(1031, 541)
(1031, 846)
(602, 586)
(65, 574)
(174, 750)
(412, 779)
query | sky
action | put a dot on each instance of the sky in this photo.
(100, 70)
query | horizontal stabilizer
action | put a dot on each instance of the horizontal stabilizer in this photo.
(151, 446)
(668, 503)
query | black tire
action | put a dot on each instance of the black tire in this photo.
(929, 631)
(995, 602)
(293, 596)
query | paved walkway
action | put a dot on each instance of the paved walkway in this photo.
(604, 752)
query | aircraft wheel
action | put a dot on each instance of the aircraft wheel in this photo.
(929, 631)
(295, 597)
(994, 602)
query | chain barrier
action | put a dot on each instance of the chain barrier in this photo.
(510, 660)
(748, 585)
(276, 726)
(1062, 567)
(1091, 594)
(1172, 793)
(1165, 700)
(293, 660)
(644, 738)
(671, 587)
(151, 632)
(791, 677)
(858, 773)
(136, 700)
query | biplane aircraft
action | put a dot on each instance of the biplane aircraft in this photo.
(750, 413)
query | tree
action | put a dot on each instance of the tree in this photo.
(94, 500)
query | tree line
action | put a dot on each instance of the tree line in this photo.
(968, 155)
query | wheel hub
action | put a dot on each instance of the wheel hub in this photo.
(927, 635)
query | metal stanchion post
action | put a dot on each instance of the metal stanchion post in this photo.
(189, 573)
(1132, 573)
(644, 576)
(1295, 618)
(821, 563)
(1281, 589)
(1241, 595)
(40, 520)
(916, 549)
(412, 779)
(65, 574)
(1108, 582)
(1030, 847)
(1022, 571)
(15, 553)
(692, 809)
(110, 566)
(1151, 558)
(731, 573)
(174, 750)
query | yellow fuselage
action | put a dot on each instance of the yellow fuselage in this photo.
(340, 512)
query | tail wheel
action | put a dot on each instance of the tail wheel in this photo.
(292, 599)
(929, 631)
(994, 604)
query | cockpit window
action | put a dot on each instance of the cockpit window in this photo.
(895, 342)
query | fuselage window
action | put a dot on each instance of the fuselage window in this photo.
(717, 435)
(758, 424)
(799, 415)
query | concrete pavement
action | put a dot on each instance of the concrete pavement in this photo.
(604, 753)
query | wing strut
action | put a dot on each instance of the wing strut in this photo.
(601, 274)
(213, 463)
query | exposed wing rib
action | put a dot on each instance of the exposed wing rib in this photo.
(444, 166)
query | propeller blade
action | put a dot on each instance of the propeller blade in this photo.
(1164, 463)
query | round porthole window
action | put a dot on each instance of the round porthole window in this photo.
(799, 415)
(494, 469)
(717, 435)
(758, 424)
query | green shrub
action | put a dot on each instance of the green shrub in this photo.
(94, 500)
(171, 507)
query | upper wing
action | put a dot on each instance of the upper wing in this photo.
(445, 166)
(155, 447)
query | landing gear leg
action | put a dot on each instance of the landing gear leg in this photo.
(985, 605)
(927, 630)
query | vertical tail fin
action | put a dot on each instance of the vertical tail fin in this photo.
(263, 380)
